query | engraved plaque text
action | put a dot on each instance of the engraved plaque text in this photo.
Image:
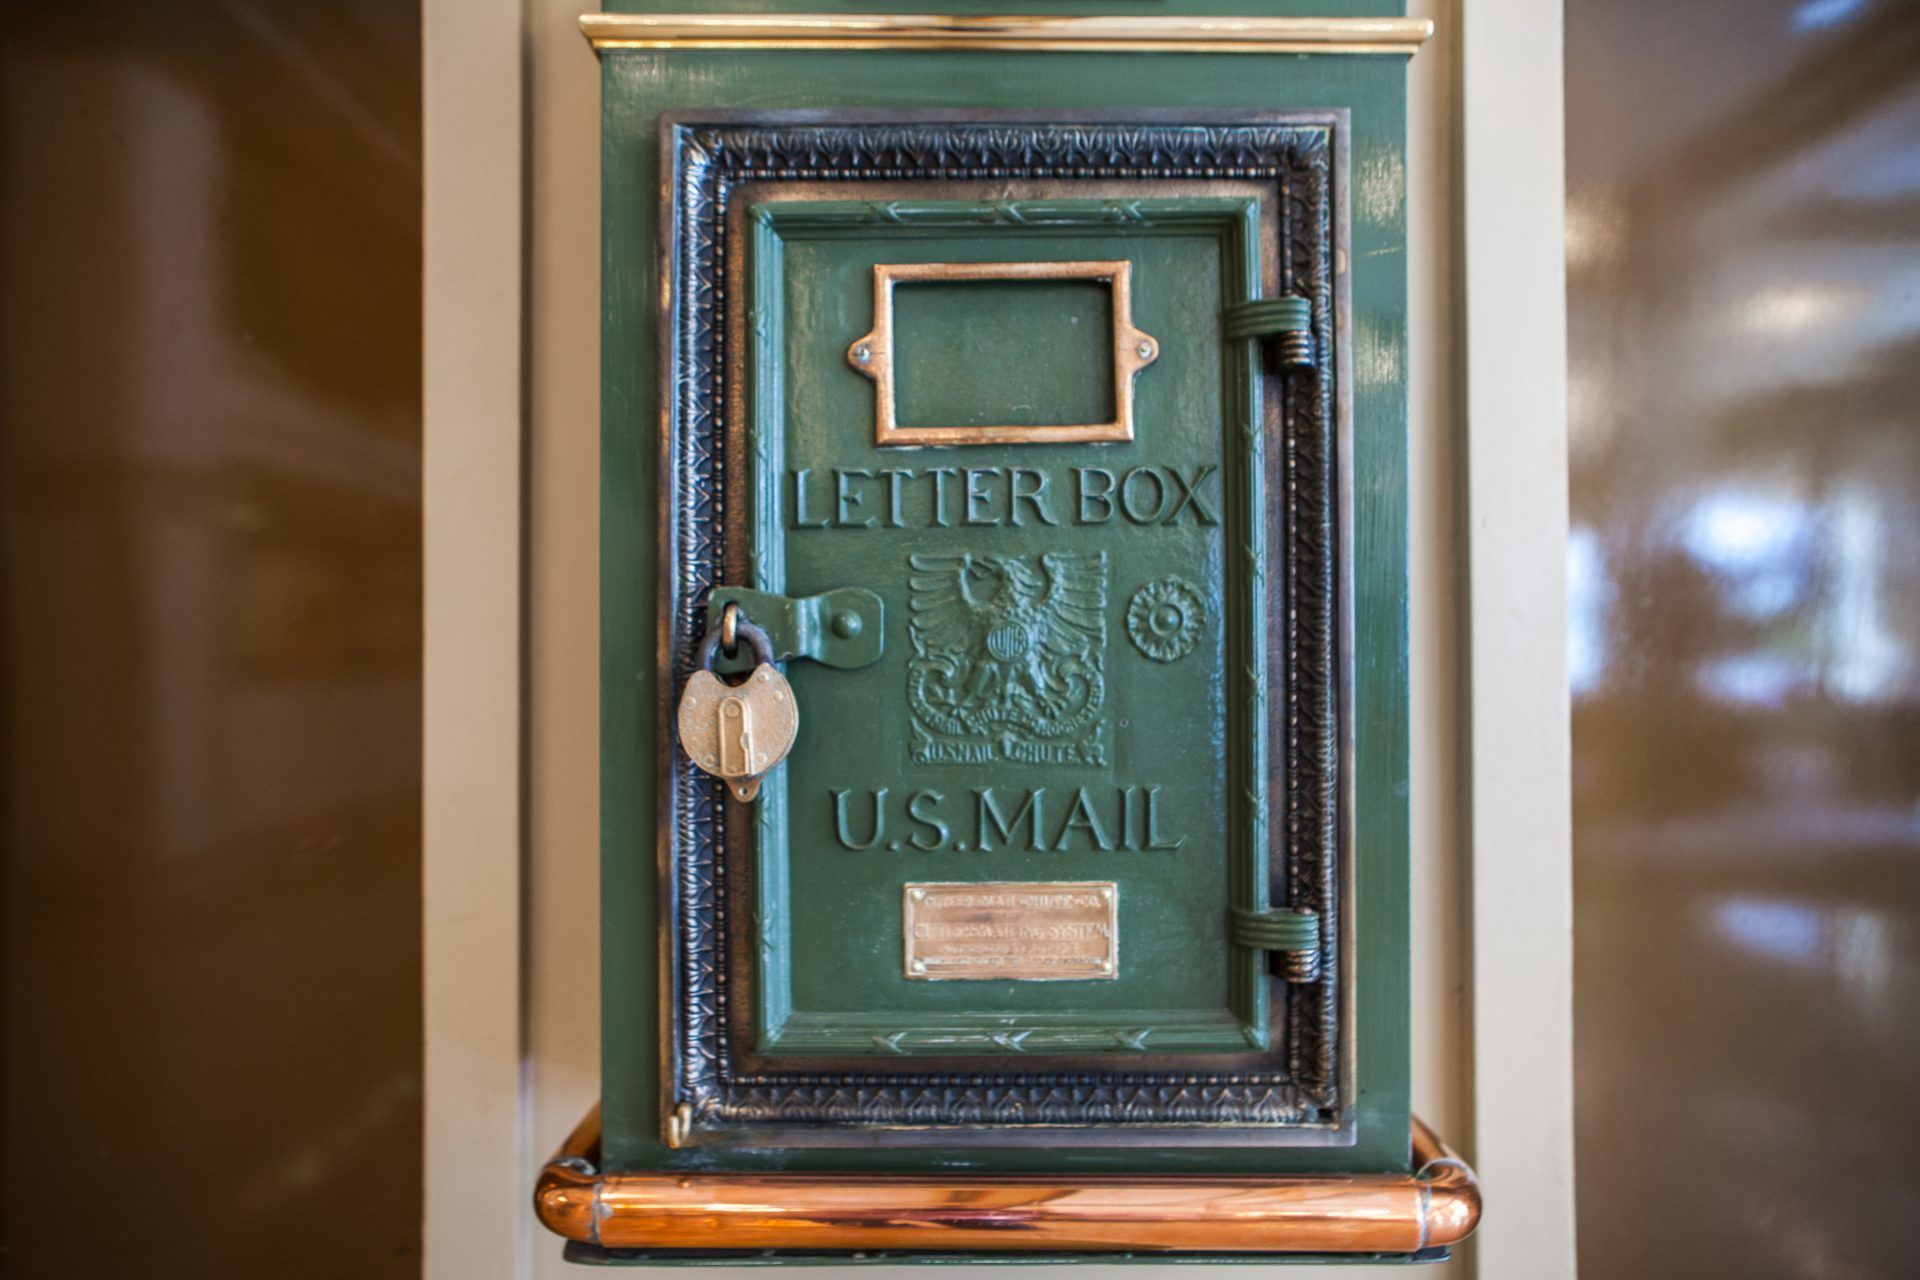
(1004, 930)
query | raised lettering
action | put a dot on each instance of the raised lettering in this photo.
(1036, 496)
(940, 476)
(1085, 478)
(800, 520)
(1023, 498)
(929, 822)
(895, 477)
(845, 499)
(878, 831)
(1134, 511)
(975, 511)
(1189, 495)
(1156, 843)
(1081, 817)
(991, 819)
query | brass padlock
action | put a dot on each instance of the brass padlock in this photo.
(738, 732)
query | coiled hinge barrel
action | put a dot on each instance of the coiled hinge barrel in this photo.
(1287, 319)
(1292, 934)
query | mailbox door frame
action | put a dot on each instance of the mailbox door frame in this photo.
(1370, 1133)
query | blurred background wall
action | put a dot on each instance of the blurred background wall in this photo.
(209, 386)
(210, 304)
(1744, 276)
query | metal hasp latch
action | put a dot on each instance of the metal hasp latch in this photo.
(1288, 319)
(840, 628)
(1291, 934)
(741, 732)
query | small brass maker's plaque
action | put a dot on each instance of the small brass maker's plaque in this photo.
(1047, 931)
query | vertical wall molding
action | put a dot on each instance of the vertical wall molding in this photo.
(563, 579)
(476, 1222)
(1436, 589)
(1519, 789)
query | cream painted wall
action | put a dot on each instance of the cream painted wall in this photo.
(563, 631)
(557, 1021)
(472, 854)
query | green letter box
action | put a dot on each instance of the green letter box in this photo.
(1004, 652)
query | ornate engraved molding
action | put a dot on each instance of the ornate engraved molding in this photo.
(1297, 1084)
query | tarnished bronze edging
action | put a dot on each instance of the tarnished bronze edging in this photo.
(1437, 1205)
(1005, 32)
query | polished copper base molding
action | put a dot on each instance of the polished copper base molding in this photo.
(810, 1212)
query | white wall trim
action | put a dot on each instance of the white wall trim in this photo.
(476, 1223)
(563, 609)
(1519, 790)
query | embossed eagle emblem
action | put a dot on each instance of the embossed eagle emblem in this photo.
(1009, 657)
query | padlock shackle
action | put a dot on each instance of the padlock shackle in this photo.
(756, 639)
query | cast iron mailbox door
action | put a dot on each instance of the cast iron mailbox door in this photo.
(1042, 460)
(1054, 860)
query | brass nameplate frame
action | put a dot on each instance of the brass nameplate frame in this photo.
(1019, 930)
(873, 353)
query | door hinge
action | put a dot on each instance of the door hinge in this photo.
(1291, 933)
(1287, 318)
(841, 628)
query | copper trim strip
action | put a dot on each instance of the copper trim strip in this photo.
(1129, 351)
(1004, 32)
(1438, 1204)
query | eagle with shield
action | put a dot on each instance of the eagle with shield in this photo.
(1009, 657)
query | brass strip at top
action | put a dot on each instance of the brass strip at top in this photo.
(1037, 33)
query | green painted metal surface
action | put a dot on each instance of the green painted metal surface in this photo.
(639, 86)
(1084, 757)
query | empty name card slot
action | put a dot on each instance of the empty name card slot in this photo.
(1002, 352)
